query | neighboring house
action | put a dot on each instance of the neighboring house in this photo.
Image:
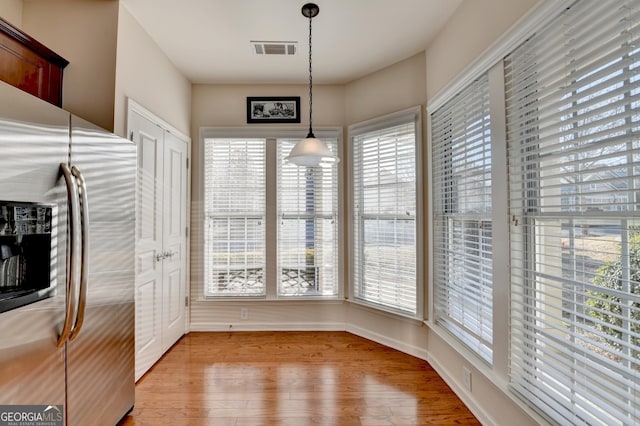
(606, 190)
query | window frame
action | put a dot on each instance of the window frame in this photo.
(209, 218)
(498, 374)
(461, 329)
(556, 346)
(413, 114)
(271, 134)
(316, 176)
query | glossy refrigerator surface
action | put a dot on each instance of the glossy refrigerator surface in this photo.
(104, 348)
(34, 139)
(91, 372)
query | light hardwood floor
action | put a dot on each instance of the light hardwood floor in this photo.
(292, 378)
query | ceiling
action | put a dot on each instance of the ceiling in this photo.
(209, 40)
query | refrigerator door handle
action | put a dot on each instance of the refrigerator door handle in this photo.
(72, 199)
(84, 259)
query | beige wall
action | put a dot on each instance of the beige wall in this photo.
(110, 58)
(225, 105)
(145, 74)
(85, 34)
(11, 11)
(475, 25)
(391, 89)
(280, 315)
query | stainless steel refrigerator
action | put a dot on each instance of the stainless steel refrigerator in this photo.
(72, 343)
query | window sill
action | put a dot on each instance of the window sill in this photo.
(469, 356)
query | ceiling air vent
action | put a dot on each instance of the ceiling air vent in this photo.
(274, 47)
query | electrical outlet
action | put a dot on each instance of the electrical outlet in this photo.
(244, 313)
(466, 377)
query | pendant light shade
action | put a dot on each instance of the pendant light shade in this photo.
(311, 151)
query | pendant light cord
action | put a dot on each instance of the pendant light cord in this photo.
(310, 135)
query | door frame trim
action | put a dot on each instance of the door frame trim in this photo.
(133, 106)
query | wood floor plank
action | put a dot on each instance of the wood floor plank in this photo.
(292, 378)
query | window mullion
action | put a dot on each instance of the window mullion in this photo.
(500, 217)
(271, 217)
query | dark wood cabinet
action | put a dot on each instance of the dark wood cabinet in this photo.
(29, 65)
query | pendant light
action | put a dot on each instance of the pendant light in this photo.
(311, 151)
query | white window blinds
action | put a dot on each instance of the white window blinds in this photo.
(462, 222)
(234, 217)
(573, 120)
(307, 226)
(384, 191)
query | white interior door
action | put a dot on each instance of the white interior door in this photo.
(162, 247)
(174, 237)
(149, 276)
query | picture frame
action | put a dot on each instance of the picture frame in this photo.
(273, 109)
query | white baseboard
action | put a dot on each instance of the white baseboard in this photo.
(267, 326)
(416, 351)
(458, 388)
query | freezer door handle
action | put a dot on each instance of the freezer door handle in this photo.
(74, 215)
(84, 259)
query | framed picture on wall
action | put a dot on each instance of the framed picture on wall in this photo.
(273, 109)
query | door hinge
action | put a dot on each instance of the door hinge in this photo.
(187, 163)
(186, 301)
(186, 232)
(131, 136)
